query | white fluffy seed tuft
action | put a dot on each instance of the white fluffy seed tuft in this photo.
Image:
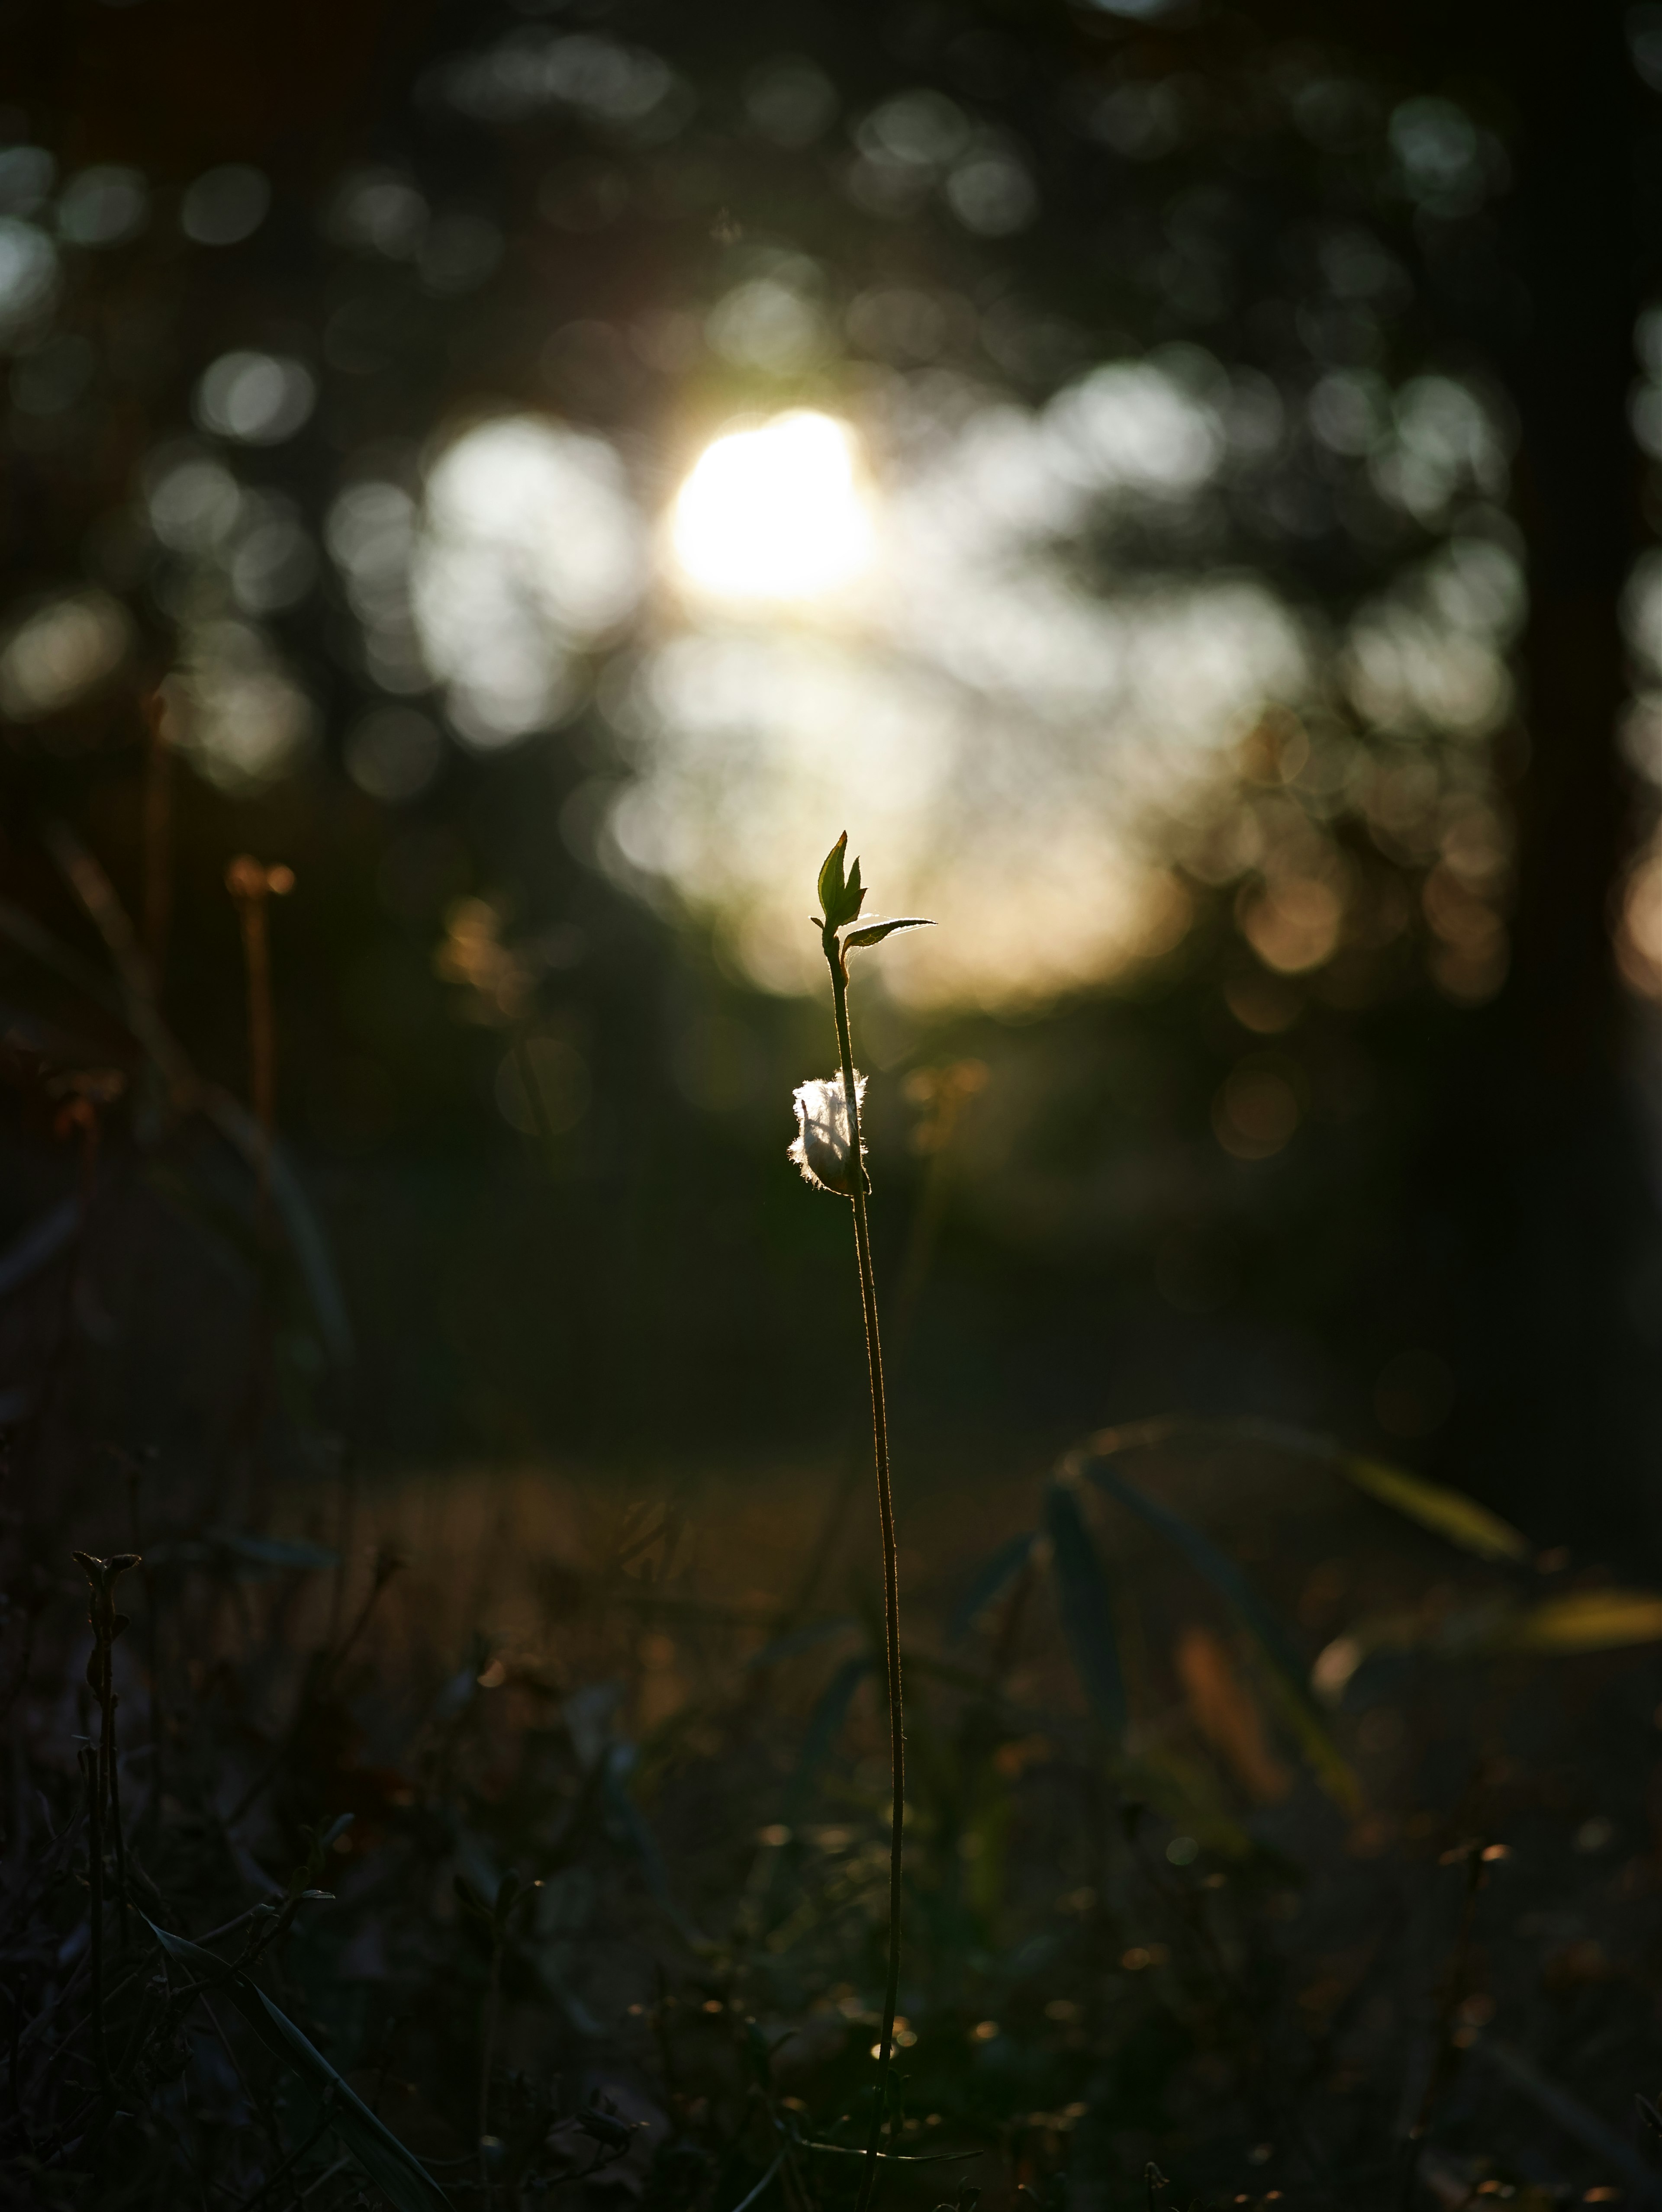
(821, 1149)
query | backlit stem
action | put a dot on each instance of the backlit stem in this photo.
(834, 954)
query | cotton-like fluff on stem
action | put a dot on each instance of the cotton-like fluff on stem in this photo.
(821, 1149)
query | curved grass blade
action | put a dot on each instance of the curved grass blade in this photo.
(990, 1580)
(1450, 1514)
(1086, 1604)
(395, 2171)
(87, 879)
(1447, 1513)
(300, 1225)
(1284, 1666)
(19, 927)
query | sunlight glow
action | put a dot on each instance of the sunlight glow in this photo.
(774, 514)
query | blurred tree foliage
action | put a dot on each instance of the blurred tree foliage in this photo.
(252, 261)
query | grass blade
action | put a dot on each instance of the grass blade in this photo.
(1450, 1514)
(302, 1227)
(1447, 1513)
(990, 1580)
(1587, 1620)
(39, 1245)
(1086, 1606)
(1284, 1665)
(395, 2171)
(825, 1726)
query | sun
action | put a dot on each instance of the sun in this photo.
(776, 514)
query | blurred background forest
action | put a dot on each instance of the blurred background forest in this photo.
(1219, 596)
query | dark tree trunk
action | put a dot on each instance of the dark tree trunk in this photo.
(1541, 1167)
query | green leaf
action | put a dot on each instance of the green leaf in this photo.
(395, 2171)
(831, 880)
(1447, 1513)
(1284, 1666)
(875, 931)
(1086, 1606)
(853, 897)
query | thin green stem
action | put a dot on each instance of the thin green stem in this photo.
(891, 1560)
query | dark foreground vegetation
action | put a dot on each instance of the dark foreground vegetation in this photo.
(1281, 1828)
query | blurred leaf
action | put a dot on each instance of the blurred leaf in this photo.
(1463, 1632)
(22, 929)
(802, 1639)
(1203, 1555)
(1227, 1714)
(1303, 1719)
(875, 931)
(274, 1551)
(990, 1580)
(396, 2172)
(988, 1835)
(1447, 1513)
(87, 879)
(825, 1725)
(1185, 1792)
(300, 1225)
(1086, 1607)
(1569, 2113)
(639, 1834)
(39, 1245)
(1286, 1671)
(1587, 1620)
(467, 1896)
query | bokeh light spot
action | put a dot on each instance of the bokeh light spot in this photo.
(774, 513)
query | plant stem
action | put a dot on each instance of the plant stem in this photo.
(262, 1043)
(485, 2058)
(891, 1558)
(536, 1103)
(157, 838)
(91, 1768)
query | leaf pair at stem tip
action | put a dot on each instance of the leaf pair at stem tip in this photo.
(841, 899)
